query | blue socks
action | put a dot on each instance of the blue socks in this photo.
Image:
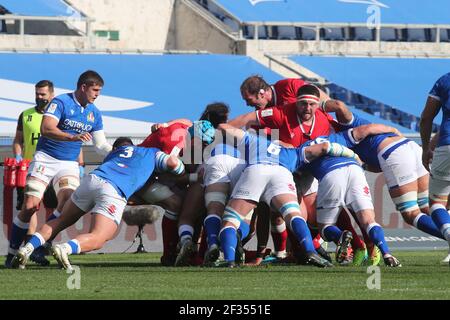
(301, 231)
(18, 233)
(228, 243)
(74, 246)
(425, 223)
(441, 218)
(212, 225)
(376, 234)
(332, 233)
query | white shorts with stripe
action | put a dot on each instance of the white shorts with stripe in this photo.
(262, 182)
(401, 163)
(346, 186)
(223, 168)
(99, 197)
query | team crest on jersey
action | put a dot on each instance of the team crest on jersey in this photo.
(90, 117)
(72, 112)
(52, 108)
(266, 113)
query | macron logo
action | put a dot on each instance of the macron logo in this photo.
(255, 2)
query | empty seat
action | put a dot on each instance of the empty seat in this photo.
(363, 34)
(287, 32)
(307, 33)
(334, 34)
(249, 32)
(388, 34)
(416, 34)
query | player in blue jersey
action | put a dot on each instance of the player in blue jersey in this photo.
(264, 179)
(104, 193)
(438, 98)
(222, 171)
(407, 179)
(69, 120)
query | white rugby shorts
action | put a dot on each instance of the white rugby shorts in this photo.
(99, 197)
(262, 182)
(346, 186)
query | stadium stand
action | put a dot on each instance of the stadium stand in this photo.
(395, 82)
(404, 13)
(42, 8)
(41, 17)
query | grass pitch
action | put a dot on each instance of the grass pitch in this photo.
(139, 276)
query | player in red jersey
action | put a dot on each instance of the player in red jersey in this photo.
(297, 123)
(259, 94)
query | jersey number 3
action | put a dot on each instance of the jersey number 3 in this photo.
(128, 152)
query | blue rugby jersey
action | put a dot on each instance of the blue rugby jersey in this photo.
(367, 149)
(259, 150)
(128, 168)
(73, 119)
(441, 92)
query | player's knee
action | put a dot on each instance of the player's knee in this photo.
(407, 204)
(215, 197)
(289, 210)
(231, 218)
(66, 184)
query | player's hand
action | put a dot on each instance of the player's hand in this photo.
(83, 137)
(427, 158)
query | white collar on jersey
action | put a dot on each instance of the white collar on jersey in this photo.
(274, 96)
(311, 129)
(77, 102)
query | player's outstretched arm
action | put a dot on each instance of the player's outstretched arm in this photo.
(156, 126)
(333, 149)
(170, 163)
(229, 130)
(101, 145)
(246, 120)
(361, 132)
(343, 114)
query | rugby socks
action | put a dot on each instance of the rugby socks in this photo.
(331, 233)
(169, 226)
(35, 242)
(54, 215)
(244, 229)
(228, 243)
(376, 233)
(279, 237)
(72, 247)
(212, 225)
(18, 233)
(425, 223)
(441, 218)
(301, 230)
(344, 223)
(185, 232)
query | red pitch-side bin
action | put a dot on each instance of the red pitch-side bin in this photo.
(9, 183)
(21, 173)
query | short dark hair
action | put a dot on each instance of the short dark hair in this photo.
(45, 83)
(308, 89)
(216, 113)
(122, 141)
(90, 78)
(253, 85)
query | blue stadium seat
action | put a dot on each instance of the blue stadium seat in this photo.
(334, 34)
(388, 34)
(287, 33)
(362, 34)
(307, 33)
